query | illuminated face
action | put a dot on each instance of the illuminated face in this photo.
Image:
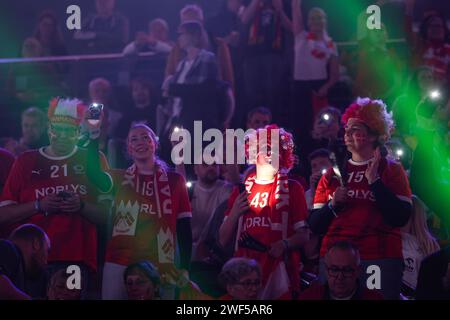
(139, 287)
(63, 137)
(357, 136)
(207, 173)
(247, 288)
(141, 145)
(320, 163)
(342, 272)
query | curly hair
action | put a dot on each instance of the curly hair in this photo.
(374, 114)
(285, 143)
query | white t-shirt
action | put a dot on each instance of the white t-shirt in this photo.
(312, 56)
(204, 202)
(412, 257)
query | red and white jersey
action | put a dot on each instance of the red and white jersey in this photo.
(360, 221)
(437, 58)
(268, 226)
(141, 231)
(35, 175)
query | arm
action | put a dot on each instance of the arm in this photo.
(333, 78)
(130, 49)
(14, 213)
(94, 172)
(228, 228)
(320, 219)
(285, 22)
(184, 236)
(297, 17)
(395, 212)
(250, 11)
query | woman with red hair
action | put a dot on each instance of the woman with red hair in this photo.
(370, 201)
(267, 219)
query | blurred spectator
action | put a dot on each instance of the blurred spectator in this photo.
(34, 130)
(431, 46)
(49, 187)
(327, 126)
(6, 162)
(49, 35)
(320, 162)
(155, 40)
(434, 277)
(193, 86)
(100, 91)
(378, 70)
(316, 66)
(32, 48)
(266, 22)
(258, 118)
(106, 31)
(417, 243)
(241, 278)
(225, 67)
(23, 258)
(143, 109)
(142, 281)
(370, 198)
(343, 270)
(57, 287)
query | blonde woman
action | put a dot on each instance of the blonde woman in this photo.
(417, 243)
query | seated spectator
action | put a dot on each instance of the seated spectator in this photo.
(34, 130)
(57, 287)
(320, 162)
(143, 109)
(6, 162)
(258, 118)
(23, 258)
(417, 243)
(434, 277)
(156, 40)
(430, 46)
(142, 281)
(49, 35)
(218, 46)
(241, 278)
(106, 31)
(316, 66)
(100, 91)
(343, 269)
(378, 69)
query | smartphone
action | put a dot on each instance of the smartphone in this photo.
(64, 195)
(95, 110)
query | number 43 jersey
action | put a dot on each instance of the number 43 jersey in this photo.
(360, 221)
(35, 175)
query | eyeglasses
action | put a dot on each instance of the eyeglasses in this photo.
(247, 284)
(347, 272)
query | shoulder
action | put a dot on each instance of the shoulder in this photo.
(28, 156)
(5, 155)
(391, 166)
(175, 178)
(207, 55)
(295, 186)
(371, 295)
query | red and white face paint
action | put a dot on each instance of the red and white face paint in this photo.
(356, 135)
(141, 145)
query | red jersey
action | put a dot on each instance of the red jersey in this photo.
(267, 226)
(6, 162)
(35, 175)
(141, 231)
(360, 221)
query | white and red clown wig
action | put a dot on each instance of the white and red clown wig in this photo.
(70, 111)
(374, 114)
(277, 142)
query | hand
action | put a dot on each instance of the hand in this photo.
(171, 275)
(51, 203)
(314, 180)
(93, 127)
(72, 204)
(372, 169)
(240, 205)
(277, 249)
(340, 197)
(323, 91)
(233, 38)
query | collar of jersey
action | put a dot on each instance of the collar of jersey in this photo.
(41, 151)
(264, 181)
(359, 163)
